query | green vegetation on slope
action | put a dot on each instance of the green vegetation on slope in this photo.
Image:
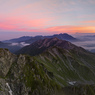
(67, 66)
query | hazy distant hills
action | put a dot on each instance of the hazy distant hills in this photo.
(12, 48)
(59, 36)
(17, 40)
(3, 44)
(29, 39)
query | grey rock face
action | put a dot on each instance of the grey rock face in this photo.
(22, 75)
(6, 60)
(10, 83)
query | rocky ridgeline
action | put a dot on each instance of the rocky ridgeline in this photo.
(22, 75)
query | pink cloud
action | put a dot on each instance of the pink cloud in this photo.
(15, 23)
(73, 29)
(90, 21)
(5, 26)
(36, 26)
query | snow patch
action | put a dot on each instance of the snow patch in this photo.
(72, 82)
(24, 44)
(10, 91)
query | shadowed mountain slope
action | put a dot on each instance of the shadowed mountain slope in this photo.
(41, 45)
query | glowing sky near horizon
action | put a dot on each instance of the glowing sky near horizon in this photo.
(47, 16)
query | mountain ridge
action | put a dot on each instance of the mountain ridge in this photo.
(30, 39)
(42, 44)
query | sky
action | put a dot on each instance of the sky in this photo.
(45, 17)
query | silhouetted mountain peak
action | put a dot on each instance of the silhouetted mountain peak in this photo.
(55, 39)
(47, 42)
(30, 39)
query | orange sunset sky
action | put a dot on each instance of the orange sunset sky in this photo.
(47, 16)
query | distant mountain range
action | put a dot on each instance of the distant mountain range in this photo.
(29, 39)
(17, 40)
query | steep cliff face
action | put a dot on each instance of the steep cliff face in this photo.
(23, 75)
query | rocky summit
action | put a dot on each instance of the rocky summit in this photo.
(61, 68)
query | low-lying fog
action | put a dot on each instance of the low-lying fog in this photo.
(87, 42)
(21, 44)
(89, 45)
